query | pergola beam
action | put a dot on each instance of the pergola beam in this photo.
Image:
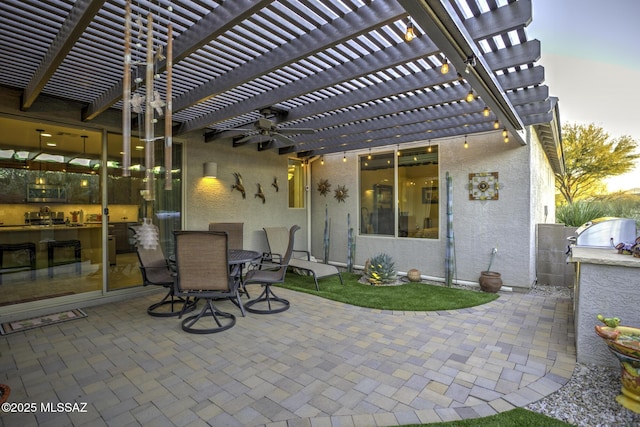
(208, 28)
(79, 18)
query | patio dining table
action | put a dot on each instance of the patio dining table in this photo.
(236, 256)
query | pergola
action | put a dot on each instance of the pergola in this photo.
(342, 68)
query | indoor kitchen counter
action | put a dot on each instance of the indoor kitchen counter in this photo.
(90, 236)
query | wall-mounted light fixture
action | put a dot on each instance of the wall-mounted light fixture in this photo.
(210, 170)
(409, 34)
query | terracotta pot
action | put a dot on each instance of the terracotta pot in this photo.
(413, 275)
(490, 281)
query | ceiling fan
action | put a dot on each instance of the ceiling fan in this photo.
(268, 130)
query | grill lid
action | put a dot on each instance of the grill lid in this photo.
(606, 232)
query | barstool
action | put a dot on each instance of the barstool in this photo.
(29, 247)
(77, 251)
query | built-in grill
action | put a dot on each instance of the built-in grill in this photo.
(605, 232)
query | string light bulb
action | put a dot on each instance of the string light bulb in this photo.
(369, 156)
(344, 157)
(486, 112)
(504, 132)
(429, 147)
(322, 160)
(466, 144)
(444, 69)
(470, 96)
(410, 33)
(398, 150)
(496, 124)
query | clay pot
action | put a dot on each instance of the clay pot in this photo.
(490, 281)
(413, 275)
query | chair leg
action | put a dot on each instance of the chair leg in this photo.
(238, 302)
(170, 298)
(223, 320)
(274, 303)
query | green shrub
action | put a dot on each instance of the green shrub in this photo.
(380, 270)
(579, 212)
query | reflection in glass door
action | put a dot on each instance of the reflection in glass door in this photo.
(50, 232)
(128, 205)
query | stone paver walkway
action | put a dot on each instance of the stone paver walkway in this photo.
(321, 363)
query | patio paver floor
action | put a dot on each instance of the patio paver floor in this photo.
(321, 363)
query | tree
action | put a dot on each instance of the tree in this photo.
(590, 156)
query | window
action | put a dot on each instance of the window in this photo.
(295, 177)
(418, 193)
(414, 211)
(376, 194)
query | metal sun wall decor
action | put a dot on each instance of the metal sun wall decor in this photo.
(483, 186)
(324, 187)
(150, 105)
(341, 193)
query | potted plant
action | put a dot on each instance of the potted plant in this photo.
(490, 281)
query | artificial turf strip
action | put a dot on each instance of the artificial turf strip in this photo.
(406, 297)
(517, 417)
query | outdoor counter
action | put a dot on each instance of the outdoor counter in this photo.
(606, 283)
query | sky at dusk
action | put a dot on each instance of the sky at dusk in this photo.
(591, 57)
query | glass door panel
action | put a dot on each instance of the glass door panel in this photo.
(130, 201)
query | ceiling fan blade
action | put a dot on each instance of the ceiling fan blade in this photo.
(244, 139)
(283, 138)
(295, 130)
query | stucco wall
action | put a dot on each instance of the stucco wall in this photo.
(479, 226)
(211, 200)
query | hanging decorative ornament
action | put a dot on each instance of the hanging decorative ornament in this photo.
(147, 235)
(151, 104)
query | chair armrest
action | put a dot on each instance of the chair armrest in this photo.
(268, 265)
(271, 257)
(304, 252)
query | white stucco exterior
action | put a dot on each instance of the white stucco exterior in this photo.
(526, 187)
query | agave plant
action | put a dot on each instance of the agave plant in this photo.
(380, 270)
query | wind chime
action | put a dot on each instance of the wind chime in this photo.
(149, 106)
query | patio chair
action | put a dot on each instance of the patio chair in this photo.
(233, 229)
(156, 270)
(268, 274)
(202, 272)
(236, 241)
(276, 238)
